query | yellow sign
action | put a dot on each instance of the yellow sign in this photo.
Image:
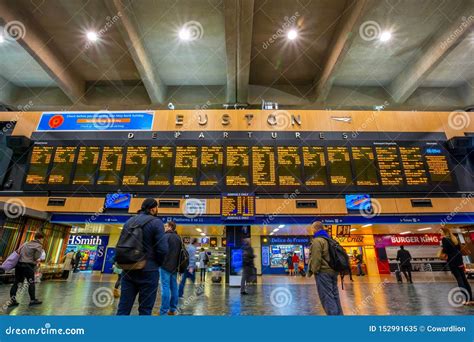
(355, 240)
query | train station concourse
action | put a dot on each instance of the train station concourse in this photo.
(236, 158)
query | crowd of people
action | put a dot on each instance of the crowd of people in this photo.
(150, 253)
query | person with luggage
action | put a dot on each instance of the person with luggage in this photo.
(29, 255)
(289, 262)
(203, 262)
(325, 276)
(296, 261)
(248, 268)
(77, 261)
(404, 258)
(68, 264)
(359, 260)
(140, 251)
(190, 272)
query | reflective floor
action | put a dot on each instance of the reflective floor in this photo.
(87, 294)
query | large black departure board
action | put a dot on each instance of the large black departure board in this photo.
(263, 166)
(86, 165)
(413, 165)
(289, 166)
(339, 165)
(110, 168)
(186, 166)
(63, 163)
(39, 164)
(212, 163)
(314, 161)
(161, 165)
(136, 161)
(389, 165)
(238, 166)
(438, 167)
(364, 165)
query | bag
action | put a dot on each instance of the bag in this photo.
(12, 260)
(398, 274)
(183, 261)
(116, 269)
(130, 251)
(338, 258)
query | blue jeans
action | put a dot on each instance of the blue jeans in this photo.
(169, 292)
(185, 276)
(328, 292)
(141, 283)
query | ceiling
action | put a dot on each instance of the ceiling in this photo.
(238, 52)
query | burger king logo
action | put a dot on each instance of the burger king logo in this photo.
(56, 121)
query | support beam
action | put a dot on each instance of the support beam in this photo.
(42, 48)
(238, 37)
(127, 26)
(447, 38)
(7, 91)
(347, 30)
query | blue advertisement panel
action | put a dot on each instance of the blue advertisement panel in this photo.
(95, 121)
(92, 249)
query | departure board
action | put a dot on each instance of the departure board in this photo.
(39, 164)
(212, 162)
(136, 160)
(63, 163)
(237, 166)
(314, 162)
(389, 165)
(289, 166)
(86, 165)
(413, 165)
(364, 165)
(438, 167)
(263, 166)
(339, 166)
(110, 166)
(186, 166)
(238, 206)
(161, 162)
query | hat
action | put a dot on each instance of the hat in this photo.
(148, 204)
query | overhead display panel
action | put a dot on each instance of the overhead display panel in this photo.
(238, 206)
(263, 166)
(364, 165)
(186, 166)
(413, 165)
(111, 164)
(315, 171)
(212, 163)
(389, 165)
(39, 164)
(237, 166)
(63, 162)
(136, 161)
(161, 165)
(438, 166)
(339, 165)
(86, 165)
(289, 166)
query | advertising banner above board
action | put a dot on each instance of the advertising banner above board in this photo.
(407, 240)
(95, 121)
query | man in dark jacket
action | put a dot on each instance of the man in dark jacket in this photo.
(169, 272)
(144, 282)
(248, 268)
(404, 257)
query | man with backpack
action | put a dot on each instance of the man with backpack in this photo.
(140, 251)
(169, 271)
(325, 263)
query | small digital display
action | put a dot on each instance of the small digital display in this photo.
(161, 162)
(237, 166)
(364, 164)
(86, 165)
(186, 166)
(289, 166)
(314, 161)
(359, 202)
(39, 164)
(63, 163)
(212, 162)
(117, 201)
(238, 206)
(110, 168)
(263, 166)
(136, 161)
(339, 166)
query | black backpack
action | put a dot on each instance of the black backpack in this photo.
(130, 252)
(183, 261)
(338, 258)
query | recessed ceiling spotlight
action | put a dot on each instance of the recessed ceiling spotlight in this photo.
(199, 230)
(367, 225)
(385, 36)
(292, 34)
(407, 232)
(353, 229)
(2, 39)
(92, 36)
(184, 34)
(276, 229)
(422, 229)
(281, 226)
(202, 234)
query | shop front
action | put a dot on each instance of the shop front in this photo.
(360, 247)
(92, 249)
(277, 249)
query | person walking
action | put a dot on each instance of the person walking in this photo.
(359, 260)
(142, 282)
(77, 261)
(296, 261)
(289, 262)
(68, 264)
(191, 270)
(451, 252)
(30, 254)
(203, 262)
(169, 272)
(404, 257)
(325, 276)
(248, 268)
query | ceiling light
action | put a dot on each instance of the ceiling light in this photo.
(367, 225)
(421, 229)
(353, 229)
(202, 234)
(199, 230)
(276, 229)
(292, 34)
(281, 226)
(184, 34)
(385, 36)
(2, 38)
(407, 232)
(92, 36)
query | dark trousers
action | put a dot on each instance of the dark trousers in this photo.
(406, 269)
(186, 275)
(203, 274)
(65, 274)
(247, 273)
(460, 276)
(24, 271)
(141, 283)
(328, 292)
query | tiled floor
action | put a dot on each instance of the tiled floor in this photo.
(87, 294)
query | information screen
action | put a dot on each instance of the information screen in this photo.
(263, 166)
(314, 162)
(364, 164)
(413, 166)
(389, 164)
(238, 206)
(339, 166)
(237, 166)
(212, 162)
(86, 165)
(63, 163)
(39, 164)
(136, 161)
(186, 166)
(438, 167)
(289, 166)
(161, 163)
(110, 166)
